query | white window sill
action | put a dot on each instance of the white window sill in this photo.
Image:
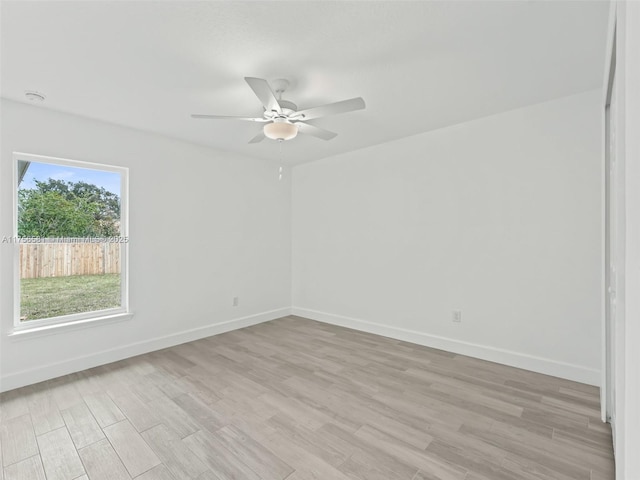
(25, 332)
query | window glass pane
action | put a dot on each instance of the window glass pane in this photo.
(70, 249)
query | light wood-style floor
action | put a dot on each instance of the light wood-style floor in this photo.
(296, 399)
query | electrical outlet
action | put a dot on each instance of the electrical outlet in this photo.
(456, 316)
(236, 301)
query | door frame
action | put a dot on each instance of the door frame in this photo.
(607, 408)
(611, 190)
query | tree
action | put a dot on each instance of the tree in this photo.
(67, 209)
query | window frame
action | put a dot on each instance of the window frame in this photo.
(84, 318)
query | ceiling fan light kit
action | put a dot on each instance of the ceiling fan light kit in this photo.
(282, 119)
(280, 129)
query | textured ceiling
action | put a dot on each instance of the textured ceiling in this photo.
(418, 65)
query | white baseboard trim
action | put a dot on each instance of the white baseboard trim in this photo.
(546, 366)
(47, 372)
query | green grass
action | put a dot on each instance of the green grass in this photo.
(56, 296)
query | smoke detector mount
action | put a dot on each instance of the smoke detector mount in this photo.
(34, 96)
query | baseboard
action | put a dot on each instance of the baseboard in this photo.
(492, 354)
(546, 366)
(47, 372)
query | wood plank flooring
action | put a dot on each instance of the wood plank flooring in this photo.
(299, 400)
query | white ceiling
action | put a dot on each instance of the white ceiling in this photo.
(418, 65)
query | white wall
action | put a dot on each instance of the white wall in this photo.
(205, 226)
(498, 218)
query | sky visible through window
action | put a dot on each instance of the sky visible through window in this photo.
(110, 181)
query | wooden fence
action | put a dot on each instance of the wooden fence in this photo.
(63, 259)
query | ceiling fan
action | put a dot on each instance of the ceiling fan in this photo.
(282, 119)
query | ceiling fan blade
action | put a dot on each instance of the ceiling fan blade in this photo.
(263, 91)
(315, 131)
(258, 138)
(330, 109)
(225, 117)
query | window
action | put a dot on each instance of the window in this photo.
(70, 241)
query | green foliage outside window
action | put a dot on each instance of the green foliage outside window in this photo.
(56, 208)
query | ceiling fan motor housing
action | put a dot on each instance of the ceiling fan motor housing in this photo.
(287, 108)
